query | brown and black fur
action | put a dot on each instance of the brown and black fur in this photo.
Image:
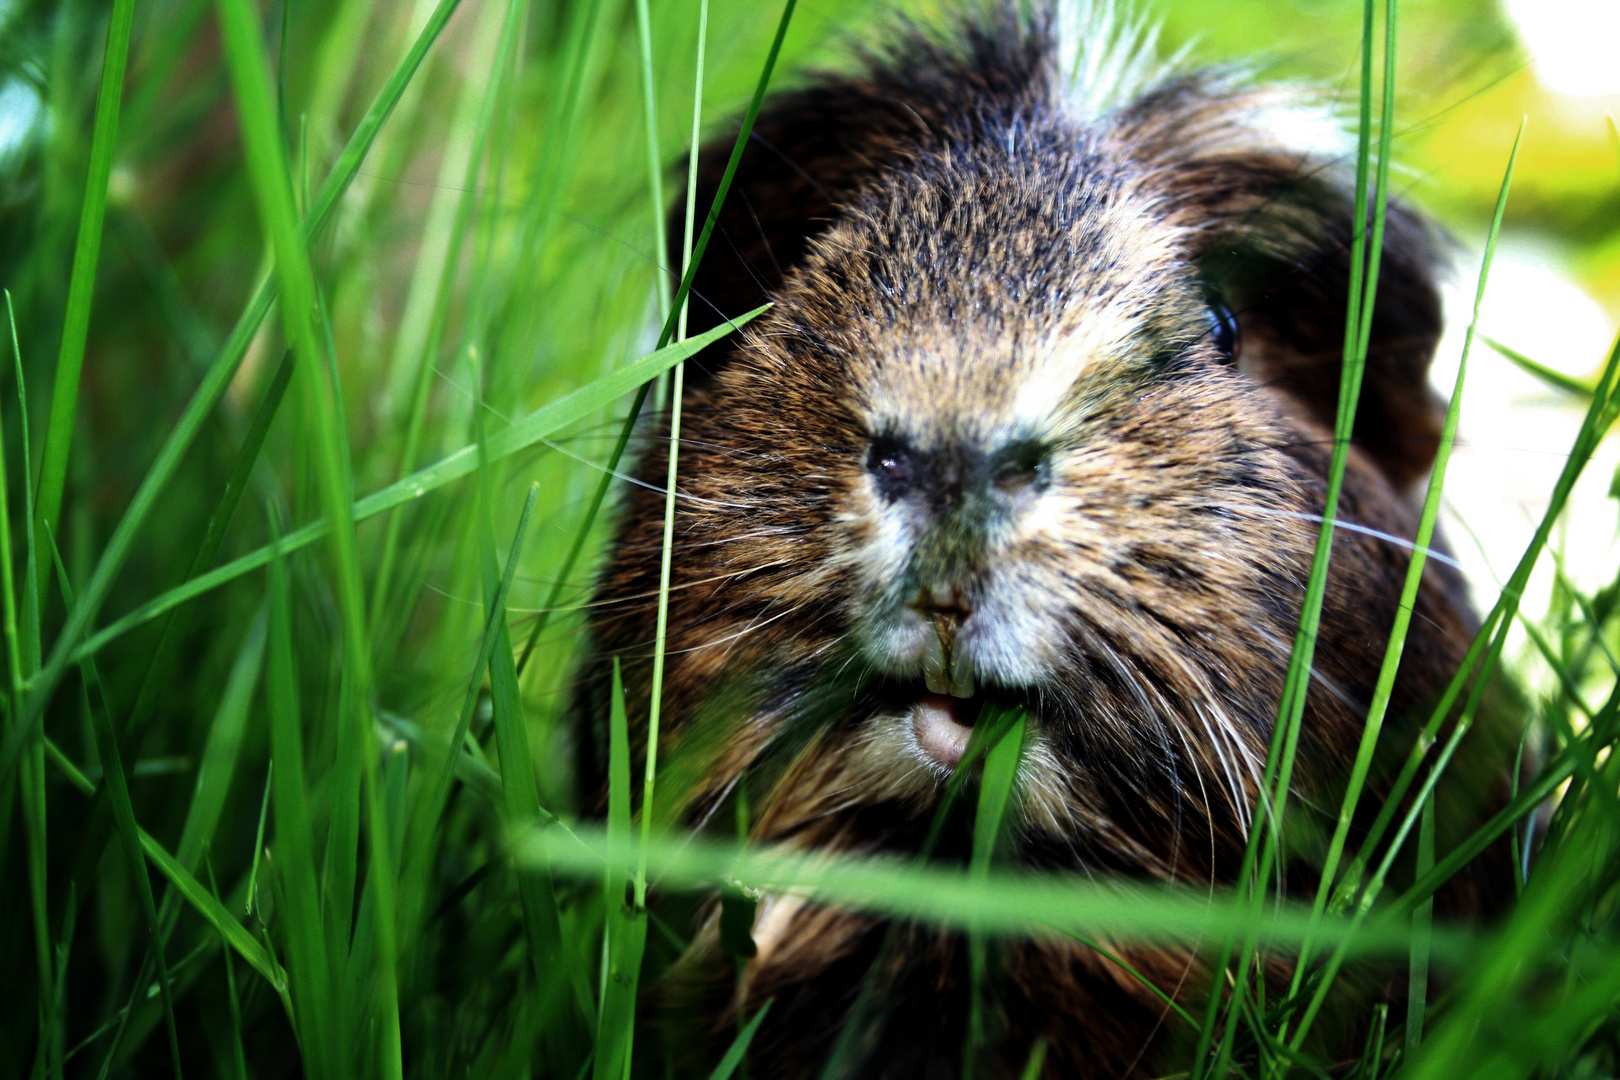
(948, 246)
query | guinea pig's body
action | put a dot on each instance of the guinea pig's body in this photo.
(999, 440)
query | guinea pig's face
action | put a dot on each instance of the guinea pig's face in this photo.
(1026, 509)
(1049, 487)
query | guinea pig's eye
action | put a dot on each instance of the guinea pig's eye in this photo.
(891, 467)
(1223, 331)
(1019, 466)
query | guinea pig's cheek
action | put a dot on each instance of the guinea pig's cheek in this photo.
(893, 637)
(1016, 635)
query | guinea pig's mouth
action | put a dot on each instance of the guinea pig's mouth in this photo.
(941, 724)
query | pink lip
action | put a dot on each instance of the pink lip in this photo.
(940, 734)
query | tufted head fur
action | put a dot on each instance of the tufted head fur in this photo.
(1041, 416)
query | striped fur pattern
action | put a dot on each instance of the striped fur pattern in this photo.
(997, 441)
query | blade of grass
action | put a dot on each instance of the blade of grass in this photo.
(1569, 384)
(676, 399)
(258, 836)
(1037, 1058)
(22, 644)
(634, 929)
(309, 970)
(81, 286)
(64, 949)
(739, 1045)
(655, 157)
(1003, 901)
(8, 596)
(24, 660)
(995, 788)
(1417, 986)
(522, 802)
(223, 747)
(1141, 980)
(419, 344)
(626, 922)
(1373, 1055)
(238, 1055)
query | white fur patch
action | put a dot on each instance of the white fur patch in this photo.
(1104, 58)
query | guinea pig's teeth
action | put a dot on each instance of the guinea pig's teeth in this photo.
(936, 680)
(961, 683)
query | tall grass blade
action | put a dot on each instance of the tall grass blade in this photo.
(81, 287)
(8, 586)
(626, 921)
(423, 348)
(995, 789)
(1417, 983)
(739, 1046)
(655, 157)
(521, 798)
(431, 809)
(1582, 389)
(30, 778)
(1001, 901)
(270, 173)
(309, 971)
(224, 746)
(238, 1055)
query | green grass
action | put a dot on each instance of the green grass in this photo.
(291, 603)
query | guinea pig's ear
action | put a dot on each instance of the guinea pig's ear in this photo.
(1272, 229)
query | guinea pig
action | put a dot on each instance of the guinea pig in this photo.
(1040, 417)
